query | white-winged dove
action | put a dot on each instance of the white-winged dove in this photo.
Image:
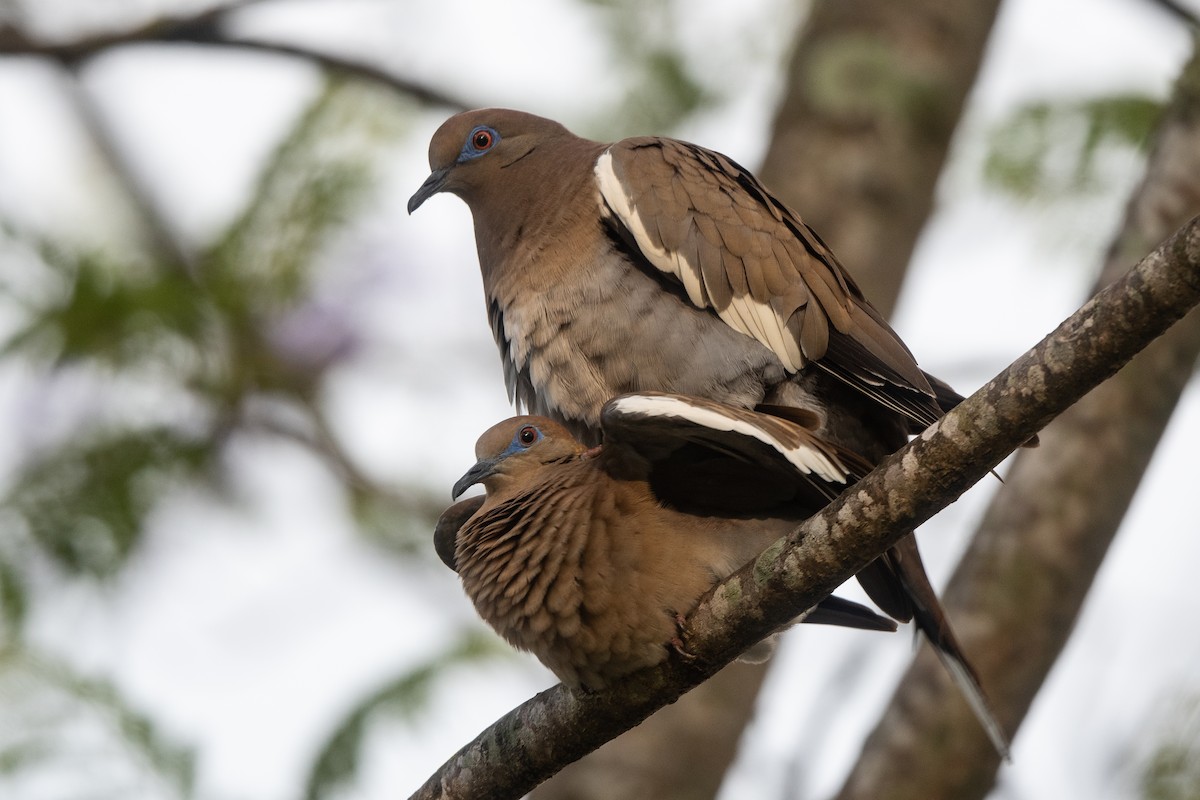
(590, 558)
(652, 264)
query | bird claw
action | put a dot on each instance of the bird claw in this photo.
(677, 640)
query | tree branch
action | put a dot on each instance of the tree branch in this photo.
(207, 28)
(1049, 527)
(14, 41)
(539, 737)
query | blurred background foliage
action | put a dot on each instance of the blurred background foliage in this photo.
(211, 338)
(164, 361)
(63, 730)
(1053, 151)
(204, 335)
(1171, 771)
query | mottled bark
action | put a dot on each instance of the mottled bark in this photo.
(530, 743)
(682, 752)
(1019, 589)
(875, 91)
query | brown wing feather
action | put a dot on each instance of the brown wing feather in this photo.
(703, 219)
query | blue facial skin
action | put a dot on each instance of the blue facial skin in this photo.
(486, 467)
(516, 445)
(480, 141)
(470, 150)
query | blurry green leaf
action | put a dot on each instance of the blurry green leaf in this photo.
(263, 268)
(24, 755)
(13, 599)
(209, 339)
(315, 179)
(57, 721)
(660, 86)
(92, 306)
(1052, 150)
(85, 502)
(401, 521)
(337, 761)
(1172, 772)
(204, 336)
(664, 91)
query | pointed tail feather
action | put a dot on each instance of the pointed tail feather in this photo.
(881, 581)
(847, 614)
(967, 681)
(931, 620)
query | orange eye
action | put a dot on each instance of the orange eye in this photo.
(482, 139)
(527, 435)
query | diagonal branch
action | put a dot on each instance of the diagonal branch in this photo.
(539, 737)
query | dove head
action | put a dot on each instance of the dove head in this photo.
(471, 154)
(515, 447)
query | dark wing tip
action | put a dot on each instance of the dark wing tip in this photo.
(844, 613)
(445, 532)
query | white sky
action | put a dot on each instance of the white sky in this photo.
(249, 632)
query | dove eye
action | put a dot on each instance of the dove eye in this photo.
(527, 435)
(479, 141)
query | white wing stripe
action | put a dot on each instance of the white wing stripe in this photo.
(806, 459)
(756, 320)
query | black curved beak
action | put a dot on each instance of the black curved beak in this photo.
(432, 185)
(482, 469)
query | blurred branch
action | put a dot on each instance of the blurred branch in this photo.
(417, 91)
(14, 41)
(875, 92)
(1067, 496)
(207, 28)
(204, 28)
(557, 726)
(322, 443)
(162, 239)
(1179, 11)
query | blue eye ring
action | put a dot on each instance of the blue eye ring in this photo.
(480, 140)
